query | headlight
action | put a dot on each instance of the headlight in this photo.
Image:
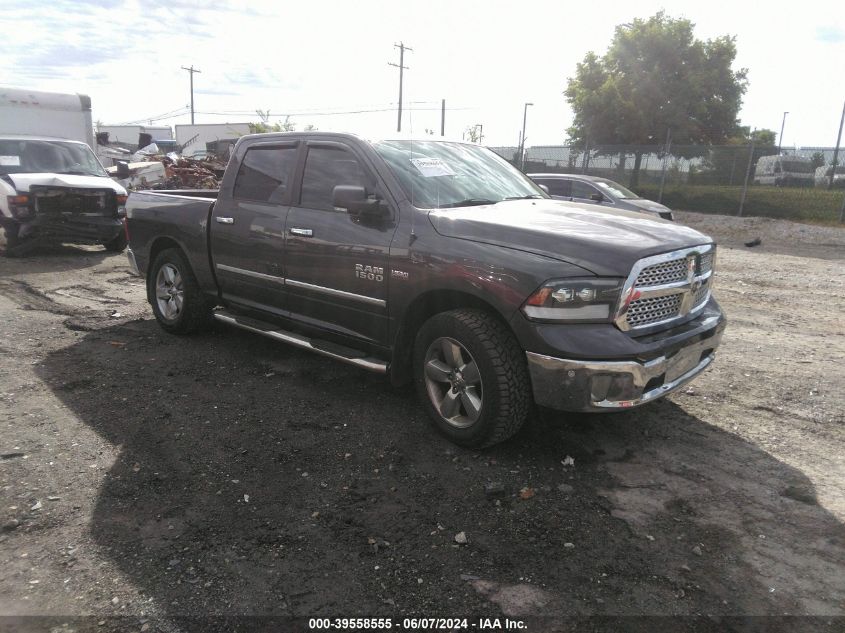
(590, 299)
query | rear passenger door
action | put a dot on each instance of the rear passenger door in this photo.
(248, 226)
(337, 263)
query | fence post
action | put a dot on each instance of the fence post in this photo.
(842, 211)
(665, 155)
(747, 175)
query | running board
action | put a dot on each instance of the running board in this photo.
(324, 348)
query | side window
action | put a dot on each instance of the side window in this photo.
(582, 190)
(558, 186)
(265, 174)
(326, 168)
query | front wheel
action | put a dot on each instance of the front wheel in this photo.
(178, 303)
(471, 376)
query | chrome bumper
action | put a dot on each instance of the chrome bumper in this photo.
(603, 385)
(133, 265)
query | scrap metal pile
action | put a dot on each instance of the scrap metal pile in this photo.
(189, 173)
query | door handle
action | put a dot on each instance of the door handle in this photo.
(302, 232)
(222, 220)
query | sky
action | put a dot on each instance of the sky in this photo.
(317, 59)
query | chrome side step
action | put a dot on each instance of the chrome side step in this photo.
(297, 340)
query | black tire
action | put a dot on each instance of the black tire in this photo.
(13, 242)
(117, 243)
(503, 389)
(193, 313)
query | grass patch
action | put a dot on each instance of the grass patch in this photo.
(772, 202)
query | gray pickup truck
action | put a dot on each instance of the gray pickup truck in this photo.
(434, 262)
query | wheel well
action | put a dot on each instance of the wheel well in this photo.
(418, 312)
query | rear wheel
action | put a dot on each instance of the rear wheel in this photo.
(471, 377)
(178, 303)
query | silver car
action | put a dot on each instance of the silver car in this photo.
(595, 190)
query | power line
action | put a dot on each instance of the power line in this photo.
(167, 115)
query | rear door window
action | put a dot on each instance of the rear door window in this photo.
(558, 186)
(265, 174)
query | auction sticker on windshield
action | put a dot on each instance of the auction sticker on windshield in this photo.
(10, 161)
(430, 167)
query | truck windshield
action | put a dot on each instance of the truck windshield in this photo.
(615, 190)
(440, 174)
(54, 157)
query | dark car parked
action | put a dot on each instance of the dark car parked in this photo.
(595, 190)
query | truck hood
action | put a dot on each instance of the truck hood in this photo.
(23, 182)
(605, 241)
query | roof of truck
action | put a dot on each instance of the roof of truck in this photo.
(26, 137)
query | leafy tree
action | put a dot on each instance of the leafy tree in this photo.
(656, 76)
(817, 160)
(728, 163)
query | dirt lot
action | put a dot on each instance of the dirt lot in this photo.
(160, 478)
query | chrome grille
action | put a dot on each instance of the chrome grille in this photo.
(701, 293)
(654, 309)
(663, 273)
(705, 262)
(687, 272)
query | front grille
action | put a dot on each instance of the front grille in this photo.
(701, 293)
(705, 263)
(663, 273)
(54, 201)
(654, 309)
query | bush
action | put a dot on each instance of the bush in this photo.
(771, 202)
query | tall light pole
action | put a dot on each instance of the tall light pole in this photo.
(522, 141)
(780, 138)
(191, 71)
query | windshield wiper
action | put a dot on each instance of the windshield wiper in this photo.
(532, 196)
(469, 202)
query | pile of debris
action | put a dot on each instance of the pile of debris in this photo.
(188, 173)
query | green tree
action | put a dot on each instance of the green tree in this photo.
(656, 76)
(726, 164)
(817, 160)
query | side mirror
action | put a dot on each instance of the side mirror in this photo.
(354, 200)
(122, 169)
(543, 187)
(597, 197)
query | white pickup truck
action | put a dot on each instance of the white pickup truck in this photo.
(56, 190)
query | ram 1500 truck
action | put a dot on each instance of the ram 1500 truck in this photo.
(56, 189)
(434, 262)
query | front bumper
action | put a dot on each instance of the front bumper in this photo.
(605, 385)
(94, 229)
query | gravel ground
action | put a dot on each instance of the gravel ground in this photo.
(147, 479)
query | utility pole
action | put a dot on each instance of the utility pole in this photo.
(836, 155)
(480, 132)
(443, 117)
(780, 138)
(191, 72)
(401, 66)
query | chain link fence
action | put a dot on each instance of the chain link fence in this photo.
(761, 180)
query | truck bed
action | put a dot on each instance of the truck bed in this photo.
(180, 216)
